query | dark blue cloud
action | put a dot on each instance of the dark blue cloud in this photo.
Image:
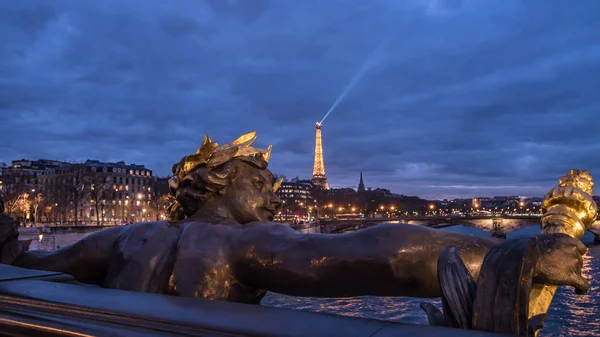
(466, 98)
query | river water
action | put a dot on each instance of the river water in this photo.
(569, 315)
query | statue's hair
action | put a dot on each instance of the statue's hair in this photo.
(200, 176)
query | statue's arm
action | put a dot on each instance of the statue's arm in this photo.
(384, 260)
(86, 260)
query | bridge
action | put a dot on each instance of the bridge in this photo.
(497, 226)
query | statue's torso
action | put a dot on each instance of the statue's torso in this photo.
(187, 260)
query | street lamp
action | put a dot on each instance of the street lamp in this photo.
(521, 204)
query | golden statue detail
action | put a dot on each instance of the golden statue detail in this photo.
(569, 209)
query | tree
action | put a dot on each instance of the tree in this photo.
(160, 205)
(14, 193)
(100, 190)
(58, 199)
(66, 192)
(75, 187)
(37, 201)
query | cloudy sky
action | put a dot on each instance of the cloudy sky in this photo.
(459, 97)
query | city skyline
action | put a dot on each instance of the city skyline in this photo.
(478, 100)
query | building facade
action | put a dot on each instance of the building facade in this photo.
(89, 193)
(296, 196)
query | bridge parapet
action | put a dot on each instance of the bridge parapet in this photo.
(495, 225)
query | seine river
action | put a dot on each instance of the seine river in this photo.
(570, 315)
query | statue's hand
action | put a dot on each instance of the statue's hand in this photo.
(10, 247)
(560, 262)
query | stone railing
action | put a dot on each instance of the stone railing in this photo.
(52, 304)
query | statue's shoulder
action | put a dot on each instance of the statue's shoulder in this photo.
(145, 229)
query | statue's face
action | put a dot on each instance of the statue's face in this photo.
(250, 196)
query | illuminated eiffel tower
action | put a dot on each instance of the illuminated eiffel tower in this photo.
(319, 178)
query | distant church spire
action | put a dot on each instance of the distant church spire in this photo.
(361, 185)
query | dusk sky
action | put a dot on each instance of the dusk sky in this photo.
(461, 98)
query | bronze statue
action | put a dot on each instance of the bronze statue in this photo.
(221, 244)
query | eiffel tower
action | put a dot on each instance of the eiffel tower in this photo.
(319, 179)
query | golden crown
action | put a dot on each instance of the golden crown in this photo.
(211, 155)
